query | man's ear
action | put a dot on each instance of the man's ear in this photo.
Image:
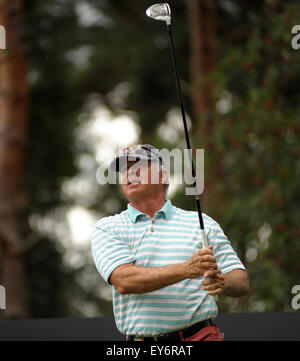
(164, 176)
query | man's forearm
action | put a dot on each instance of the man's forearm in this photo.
(129, 278)
(236, 283)
(136, 279)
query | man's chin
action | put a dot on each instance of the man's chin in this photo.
(135, 191)
(133, 188)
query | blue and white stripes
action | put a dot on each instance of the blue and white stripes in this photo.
(171, 237)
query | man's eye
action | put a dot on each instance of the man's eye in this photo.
(124, 170)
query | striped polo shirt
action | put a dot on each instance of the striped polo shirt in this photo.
(171, 237)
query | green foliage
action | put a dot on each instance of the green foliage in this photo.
(45, 286)
(57, 290)
(257, 147)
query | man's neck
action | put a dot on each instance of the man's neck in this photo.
(149, 206)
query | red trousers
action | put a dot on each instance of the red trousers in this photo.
(208, 333)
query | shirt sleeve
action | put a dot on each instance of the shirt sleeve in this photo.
(227, 258)
(109, 250)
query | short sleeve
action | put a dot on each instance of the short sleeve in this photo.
(109, 250)
(227, 258)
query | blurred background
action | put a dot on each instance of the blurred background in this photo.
(80, 79)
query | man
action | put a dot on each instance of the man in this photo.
(151, 254)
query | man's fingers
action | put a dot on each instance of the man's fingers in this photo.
(211, 281)
(204, 251)
(215, 292)
(215, 273)
(211, 286)
(209, 265)
(203, 260)
(208, 258)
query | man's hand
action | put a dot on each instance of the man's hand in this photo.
(233, 284)
(202, 261)
(214, 282)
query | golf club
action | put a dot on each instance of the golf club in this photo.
(162, 12)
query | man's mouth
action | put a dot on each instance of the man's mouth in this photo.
(133, 183)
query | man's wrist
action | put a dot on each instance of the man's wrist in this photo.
(181, 270)
(236, 283)
(225, 284)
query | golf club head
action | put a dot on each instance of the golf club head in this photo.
(160, 12)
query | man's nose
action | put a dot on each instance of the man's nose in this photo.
(133, 175)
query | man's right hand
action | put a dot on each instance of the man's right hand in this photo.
(202, 261)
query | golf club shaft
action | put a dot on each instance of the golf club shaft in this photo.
(187, 135)
(202, 230)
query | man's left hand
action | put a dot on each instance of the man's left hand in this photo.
(214, 282)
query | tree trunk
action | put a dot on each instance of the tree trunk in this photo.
(203, 45)
(202, 57)
(13, 110)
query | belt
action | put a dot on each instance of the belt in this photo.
(175, 336)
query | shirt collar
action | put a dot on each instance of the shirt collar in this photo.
(167, 210)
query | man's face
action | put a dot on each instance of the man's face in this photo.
(141, 179)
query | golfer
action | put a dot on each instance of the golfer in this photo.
(151, 255)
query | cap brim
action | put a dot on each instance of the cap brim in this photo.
(119, 162)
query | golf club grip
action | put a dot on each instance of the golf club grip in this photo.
(205, 245)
